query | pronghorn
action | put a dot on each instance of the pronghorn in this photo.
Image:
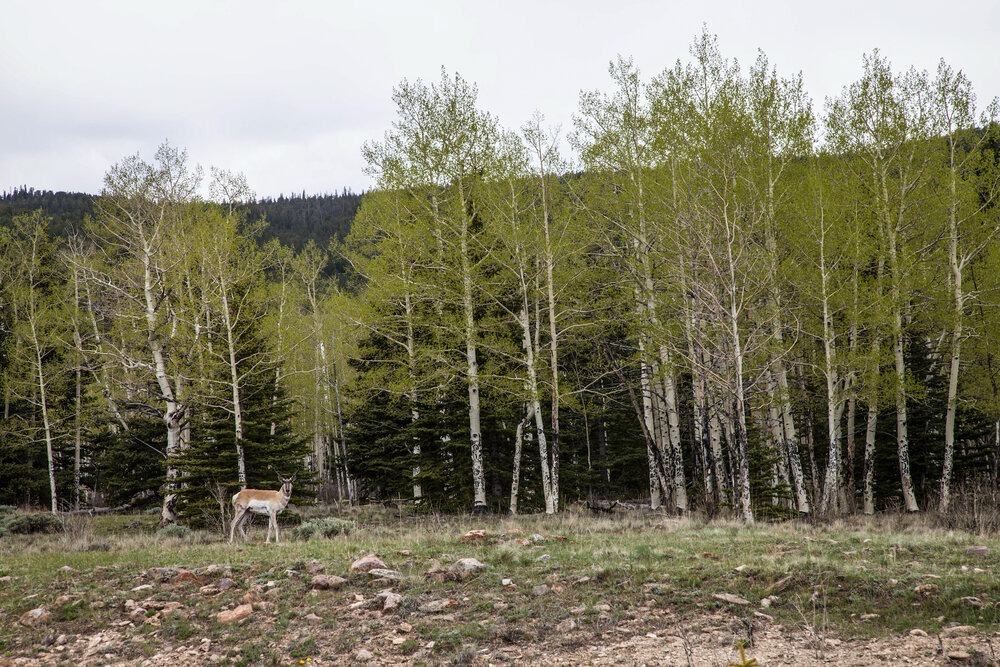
(261, 502)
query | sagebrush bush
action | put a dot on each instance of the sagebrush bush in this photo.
(28, 523)
(325, 528)
(174, 530)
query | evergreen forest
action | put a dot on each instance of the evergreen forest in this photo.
(716, 296)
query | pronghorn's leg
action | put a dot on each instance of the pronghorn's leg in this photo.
(270, 522)
(274, 517)
(237, 520)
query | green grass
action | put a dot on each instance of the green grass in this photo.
(855, 580)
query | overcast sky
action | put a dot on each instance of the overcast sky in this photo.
(287, 91)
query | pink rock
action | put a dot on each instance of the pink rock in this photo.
(241, 612)
(367, 563)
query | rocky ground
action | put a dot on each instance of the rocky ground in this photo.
(369, 616)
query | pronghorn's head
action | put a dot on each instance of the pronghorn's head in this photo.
(286, 484)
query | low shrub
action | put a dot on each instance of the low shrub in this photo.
(28, 523)
(174, 530)
(323, 528)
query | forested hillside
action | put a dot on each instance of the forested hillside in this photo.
(292, 220)
(728, 299)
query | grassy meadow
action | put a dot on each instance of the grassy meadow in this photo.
(867, 578)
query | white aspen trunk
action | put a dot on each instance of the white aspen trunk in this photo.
(739, 395)
(234, 380)
(550, 297)
(77, 437)
(679, 481)
(849, 487)
(78, 394)
(896, 288)
(742, 449)
(472, 373)
(411, 359)
(322, 442)
(535, 408)
(771, 422)
(173, 416)
(701, 436)
(281, 343)
(834, 402)
(902, 438)
(958, 305)
(718, 456)
(852, 407)
(341, 440)
(869, 472)
(515, 483)
(657, 484)
(44, 404)
(791, 440)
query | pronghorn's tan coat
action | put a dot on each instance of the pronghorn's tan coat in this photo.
(270, 503)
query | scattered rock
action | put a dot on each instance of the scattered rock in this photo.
(390, 600)
(566, 626)
(215, 570)
(162, 574)
(474, 536)
(917, 632)
(66, 569)
(185, 577)
(362, 603)
(436, 572)
(958, 631)
(142, 587)
(209, 590)
(540, 590)
(314, 567)
(731, 599)
(385, 573)
(327, 582)
(435, 606)
(868, 617)
(405, 627)
(779, 585)
(959, 655)
(769, 600)
(465, 568)
(927, 590)
(313, 618)
(225, 584)
(231, 615)
(364, 654)
(36, 616)
(978, 551)
(368, 563)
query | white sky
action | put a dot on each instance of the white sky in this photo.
(286, 91)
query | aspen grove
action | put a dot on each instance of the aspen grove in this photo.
(711, 294)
